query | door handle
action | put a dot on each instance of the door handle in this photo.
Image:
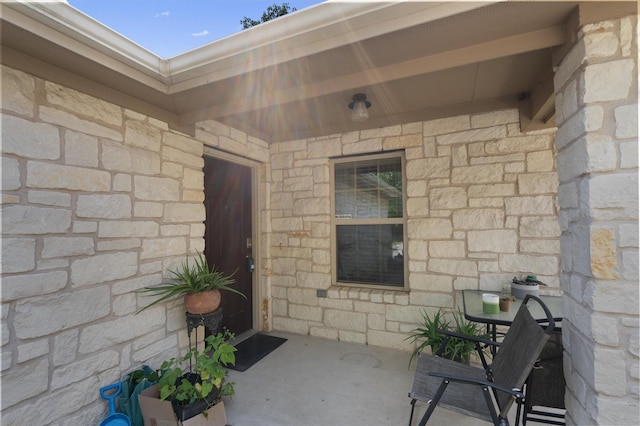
(250, 263)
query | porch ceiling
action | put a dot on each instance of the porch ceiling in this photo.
(293, 77)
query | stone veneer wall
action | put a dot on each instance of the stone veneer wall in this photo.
(597, 142)
(97, 202)
(481, 207)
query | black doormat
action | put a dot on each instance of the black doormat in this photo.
(255, 348)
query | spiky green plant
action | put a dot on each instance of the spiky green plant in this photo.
(428, 333)
(190, 278)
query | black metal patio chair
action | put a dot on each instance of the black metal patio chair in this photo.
(486, 393)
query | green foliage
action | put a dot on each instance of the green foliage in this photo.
(209, 364)
(195, 278)
(456, 348)
(272, 12)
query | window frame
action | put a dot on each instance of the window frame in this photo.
(335, 222)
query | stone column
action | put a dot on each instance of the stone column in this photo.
(596, 88)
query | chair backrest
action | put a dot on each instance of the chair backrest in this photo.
(518, 352)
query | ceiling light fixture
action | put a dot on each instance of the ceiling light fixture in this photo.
(359, 107)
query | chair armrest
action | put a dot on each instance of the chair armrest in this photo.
(470, 380)
(467, 337)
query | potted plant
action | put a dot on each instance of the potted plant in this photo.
(199, 283)
(456, 348)
(194, 391)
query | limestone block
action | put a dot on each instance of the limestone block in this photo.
(66, 246)
(86, 367)
(84, 104)
(519, 144)
(447, 249)
(27, 285)
(158, 348)
(147, 209)
(104, 206)
(454, 267)
(10, 174)
(428, 168)
(103, 268)
(298, 183)
(325, 148)
(30, 140)
(18, 255)
(626, 36)
(539, 227)
(421, 298)
(105, 335)
(25, 382)
(122, 182)
(540, 246)
(459, 156)
(18, 91)
(399, 142)
(132, 284)
(73, 122)
(65, 345)
(609, 81)
(287, 224)
(605, 330)
(538, 183)
(380, 132)
(193, 179)
(610, 376)
(304, 312)
(626, 121)
(601, 44)
(311, 206)
(486, 173)
(446, 125)
(152, 188)
(466, 283)
(291, 325)
(42, 316)
(431, 282)
(80, 149)
(314, 280)
(492, 190)
(163, 247)
(84, 227)
(343, 320)
(529, 264)
(628, 155)
(363, 146)
(129, 159)
(495, 118)
(178, 156)
(429, 229)
(183, 143)
(174, 230)
(127, 229)
(614, 196)
(34, 220)
(46, 175)
(418, 206)
(541, 204)
(475, 135)
(33, 349)
(588, 119)
(540, 161)
(628, 235)
(478, 219)
(172, 169)
(496, 241)
(448, 198)
(405, 314)
(495, 282)
(416, 188)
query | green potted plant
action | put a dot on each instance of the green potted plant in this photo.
(199, 283)
(455, 348)
(195, 390)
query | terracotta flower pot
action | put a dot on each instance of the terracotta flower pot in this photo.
(202, 303)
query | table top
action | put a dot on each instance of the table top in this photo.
(472, 301)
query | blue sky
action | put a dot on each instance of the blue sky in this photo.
(170, 27)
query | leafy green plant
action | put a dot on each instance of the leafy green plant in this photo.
(197, 277)
(455, 348)
(207, 370)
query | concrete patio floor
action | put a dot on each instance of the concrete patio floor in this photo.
(310, 381)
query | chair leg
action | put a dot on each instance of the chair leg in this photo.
(434, 402)
(413, 407)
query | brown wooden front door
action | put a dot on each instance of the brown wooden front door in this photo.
(228, 235)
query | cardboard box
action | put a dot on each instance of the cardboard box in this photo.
(157, 412)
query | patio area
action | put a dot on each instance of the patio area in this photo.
(314, 381)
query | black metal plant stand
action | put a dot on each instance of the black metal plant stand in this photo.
(211, 322)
